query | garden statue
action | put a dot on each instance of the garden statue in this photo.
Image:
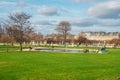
(102, 49)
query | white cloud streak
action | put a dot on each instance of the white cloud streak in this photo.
(48, 11)
(86, 1)
(105, 10)
(7, 3)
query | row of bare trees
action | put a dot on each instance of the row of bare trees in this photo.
(17, 28)
(80, 40)
(115, 42)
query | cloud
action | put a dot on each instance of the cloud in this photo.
(3, 14)
(77, 25)
(86, 1)
(7, 3)
(64, 10)
(21, 3)
(91, 22)
(76, 1)
(48, 11)
(44, 29)
(109, 22)
(16, 12)
(109, 9)
(44, 22)
(84, 22)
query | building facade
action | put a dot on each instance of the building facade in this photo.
(102, 36)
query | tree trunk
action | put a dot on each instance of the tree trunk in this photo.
(65, 40)
(21, 46)
(7, 47)
(12, 44)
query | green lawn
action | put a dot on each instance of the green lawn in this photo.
(10, 48)
(59, 66)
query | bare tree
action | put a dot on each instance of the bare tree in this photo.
(63, 28)
(1, 30)
(5, 39)
(10, 31)
(28, 35)
(19, 23)
(116, 42)
(81, 39)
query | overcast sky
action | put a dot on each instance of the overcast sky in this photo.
(84, 15)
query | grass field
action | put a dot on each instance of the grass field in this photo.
(59, 66)
(10, 48)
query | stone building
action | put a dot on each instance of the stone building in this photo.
(102, 36)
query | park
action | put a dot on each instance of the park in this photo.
(59, 40)
(27, 55)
